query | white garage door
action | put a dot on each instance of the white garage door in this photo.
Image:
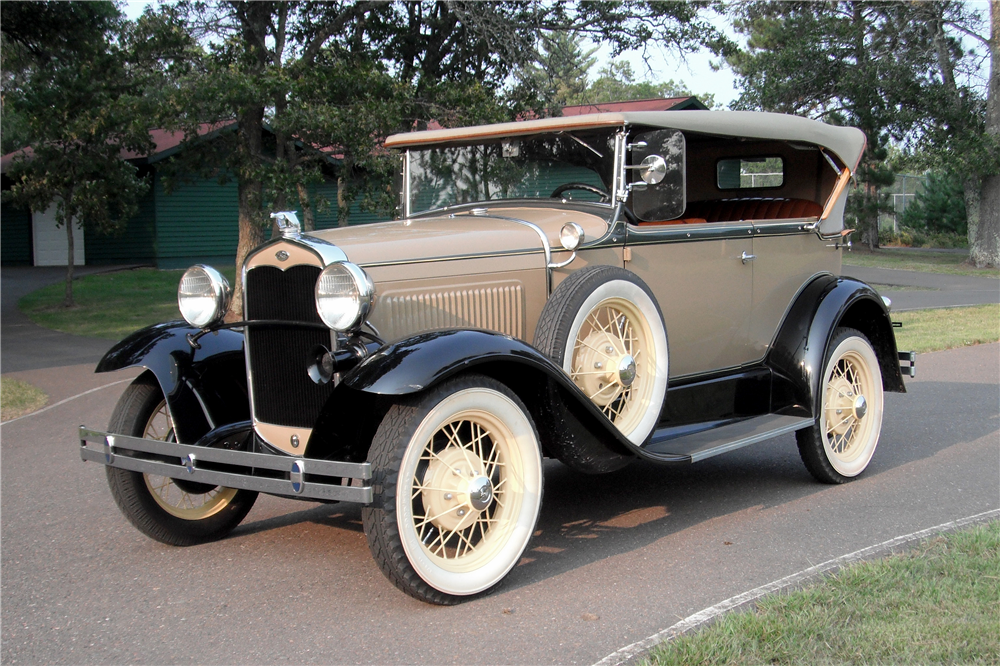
(51, 248)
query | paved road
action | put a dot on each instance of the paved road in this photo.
(913, 290)
(25, 345)
(615, 559)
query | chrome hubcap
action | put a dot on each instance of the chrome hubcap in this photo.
(860, 407)
(626, 370)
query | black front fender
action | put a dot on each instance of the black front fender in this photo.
(799, 350)
(420, 362)
(205, 387)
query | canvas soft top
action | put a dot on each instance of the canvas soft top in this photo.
(847, 143)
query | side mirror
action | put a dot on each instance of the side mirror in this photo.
(659, 157)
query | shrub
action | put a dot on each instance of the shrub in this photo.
(939, 207)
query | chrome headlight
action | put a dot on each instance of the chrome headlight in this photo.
(203, 296)
(571, 235)
(345, 296)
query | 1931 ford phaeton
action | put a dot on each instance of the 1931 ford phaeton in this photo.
(596, 289)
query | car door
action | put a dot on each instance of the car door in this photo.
(703, 281)
(787, 256)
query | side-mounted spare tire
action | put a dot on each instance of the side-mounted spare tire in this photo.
(603, 327)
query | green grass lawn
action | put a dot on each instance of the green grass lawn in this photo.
(937, 604)
(18, 398)
(946, 328)
(927, 261)
(109, 305)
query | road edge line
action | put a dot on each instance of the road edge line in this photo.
(629, 652)
(64, 401)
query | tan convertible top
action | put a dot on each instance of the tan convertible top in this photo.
(847, 143)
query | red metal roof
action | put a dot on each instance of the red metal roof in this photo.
(664, 104)
(164, 141)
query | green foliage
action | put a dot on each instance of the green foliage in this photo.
(617, 82)
(560, 72)
(887, 68)
(910, 237)
(939, 207)
(81, 100)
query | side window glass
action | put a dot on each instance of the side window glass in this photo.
(657, 167)
(745, 173)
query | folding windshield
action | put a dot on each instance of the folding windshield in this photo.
(527, 167)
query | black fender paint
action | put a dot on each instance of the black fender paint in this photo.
(422, 361)
(799, 351)
(204, 388)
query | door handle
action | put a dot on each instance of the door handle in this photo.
(747, 257)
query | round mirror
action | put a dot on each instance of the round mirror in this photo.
(653, 169)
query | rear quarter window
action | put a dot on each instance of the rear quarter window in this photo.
(750, 173)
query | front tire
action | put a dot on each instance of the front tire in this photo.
(458, 484)
(841, 443)
(171, 511)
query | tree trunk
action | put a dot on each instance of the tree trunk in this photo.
(308, 218)
(971, 190)
(342, 213)
(250, 192)
(68, 301)
(985, 250)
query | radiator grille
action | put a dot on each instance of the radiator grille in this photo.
(496, 308)
(283, 394)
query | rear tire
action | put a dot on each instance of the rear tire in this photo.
(171, 511)
(849, 420)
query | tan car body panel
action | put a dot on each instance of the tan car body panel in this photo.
(462, 270)
(782, 267)
(684, 276)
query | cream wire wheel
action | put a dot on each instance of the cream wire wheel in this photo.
(467, 493)
(184, 499)
(604, 329)
(172, 511)
(613, 361)
(849, 422)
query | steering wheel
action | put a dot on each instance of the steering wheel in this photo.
(580, 186)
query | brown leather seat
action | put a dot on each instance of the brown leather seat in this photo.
(736, 210)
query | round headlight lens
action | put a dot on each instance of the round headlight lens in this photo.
(345, 296)
(203, 296)
(571, 235)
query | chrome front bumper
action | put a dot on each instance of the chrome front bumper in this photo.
(266, 473)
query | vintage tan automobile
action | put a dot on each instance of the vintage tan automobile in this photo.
(595, 289)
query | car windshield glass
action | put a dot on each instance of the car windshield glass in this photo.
(511, 168)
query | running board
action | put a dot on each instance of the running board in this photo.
(697, 446)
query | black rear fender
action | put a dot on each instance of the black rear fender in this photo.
(799, 351)
(205, 387)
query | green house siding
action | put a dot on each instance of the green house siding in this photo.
(197, 222)
(15, 236)
(136, 244)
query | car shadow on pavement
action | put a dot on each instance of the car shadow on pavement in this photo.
(585, 519)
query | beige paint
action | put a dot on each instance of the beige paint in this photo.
(704, 291)
(281, 436)
(452, 236)
(783, 265)
(506, 301)
(297, 256)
